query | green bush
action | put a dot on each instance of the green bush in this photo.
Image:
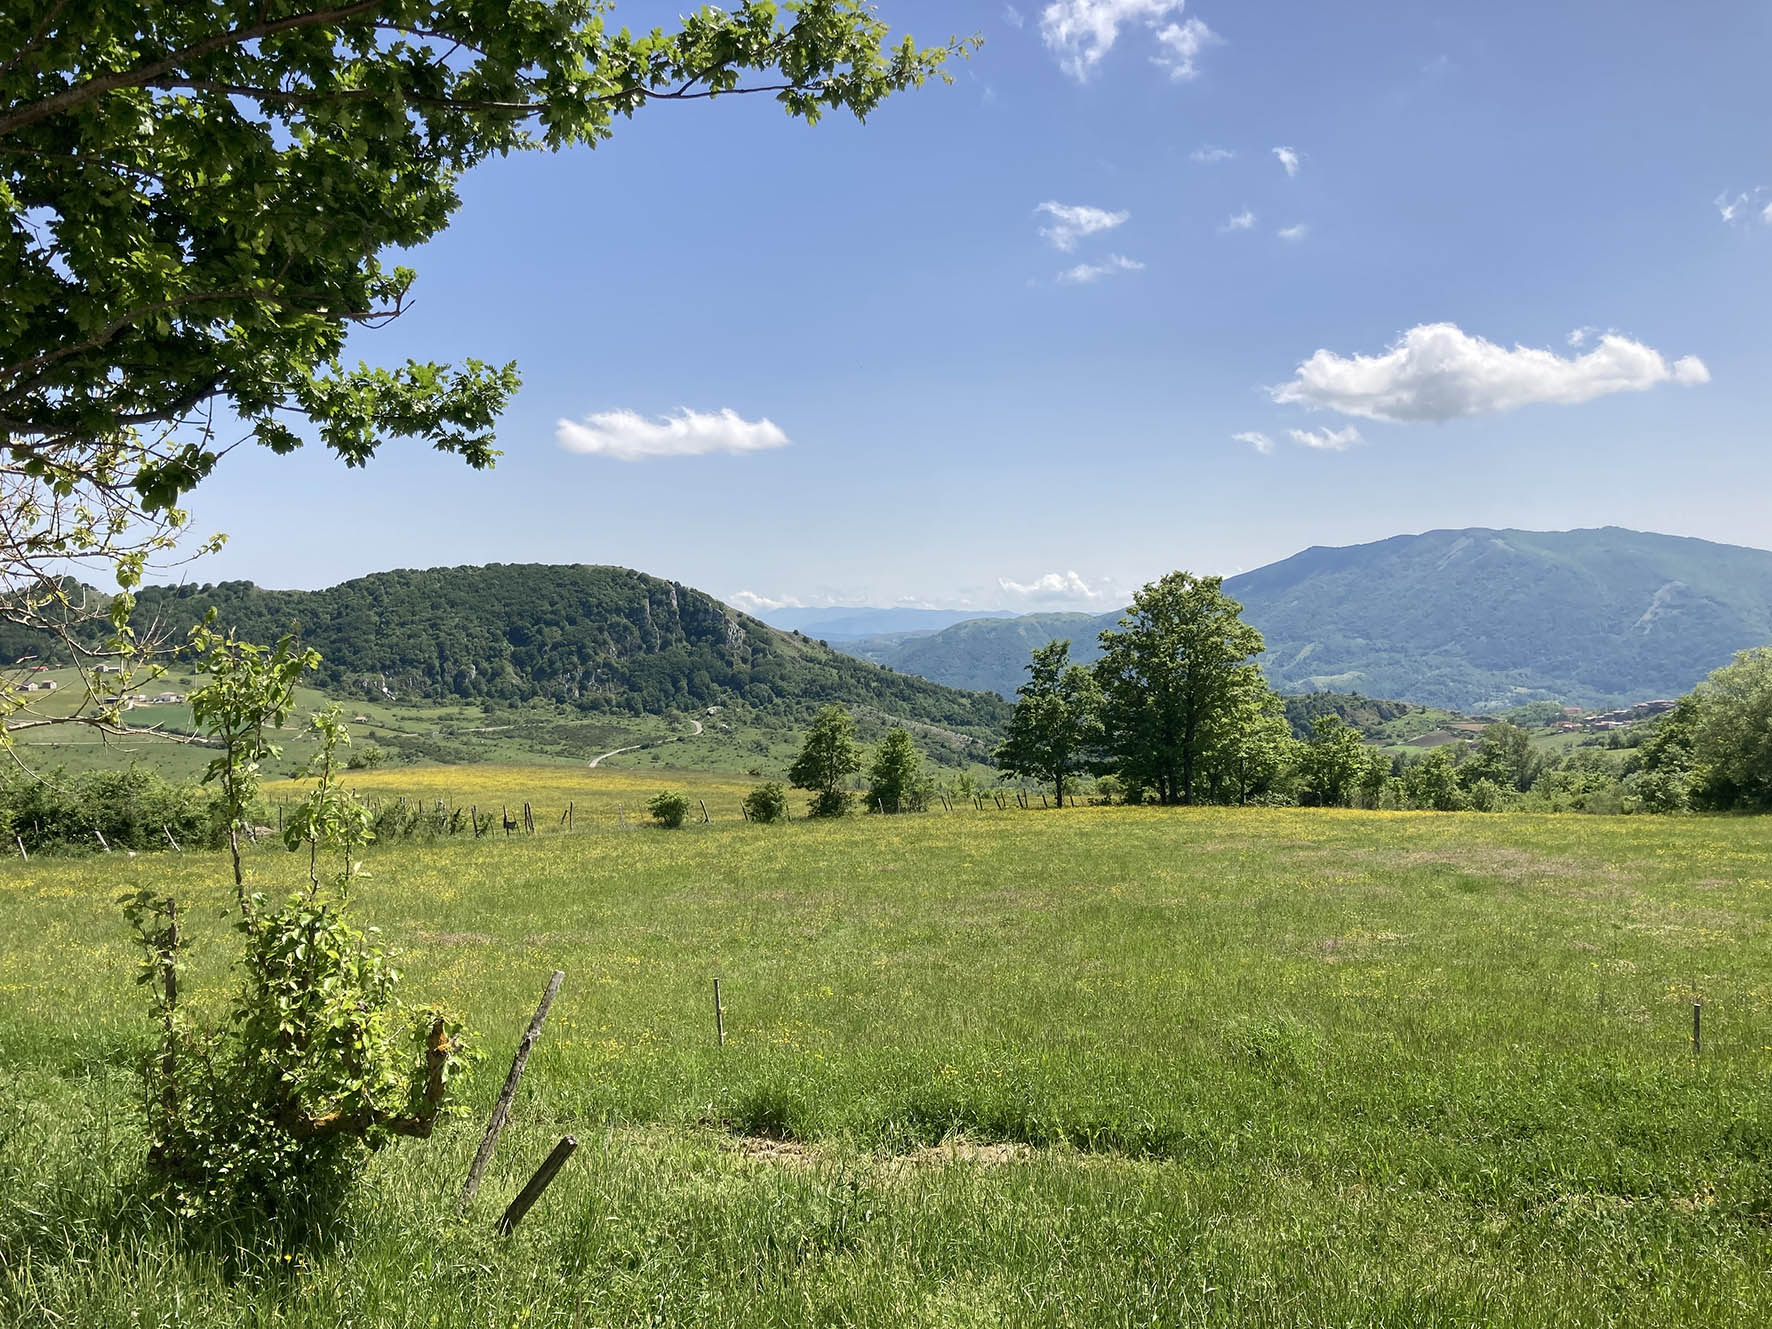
(669, 810)
(767, 803)
(273, 1110)
(132, 809)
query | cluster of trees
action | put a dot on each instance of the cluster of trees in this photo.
(830, 758)
(1713, 751)
(1175, 710)
(1175, 707)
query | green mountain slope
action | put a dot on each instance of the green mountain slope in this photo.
(599, 639)
(987, 654)
(1473, 620)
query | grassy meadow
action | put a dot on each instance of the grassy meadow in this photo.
(1103, 1066)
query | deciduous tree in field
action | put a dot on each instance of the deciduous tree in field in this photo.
(1732, 734)
(1170, 675)
(202, 201)
(896, 780)
(1333, 761)
(828, 758)
(1056, 727)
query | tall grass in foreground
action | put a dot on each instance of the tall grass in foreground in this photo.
(1266, 1067)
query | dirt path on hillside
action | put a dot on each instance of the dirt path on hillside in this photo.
(678, 738)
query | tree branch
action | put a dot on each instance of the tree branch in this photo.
(141, 75)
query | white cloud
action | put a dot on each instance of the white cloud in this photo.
(1084, 273)
(1012, 16)
(1255, 439)
(1241, 221)
(630, 436)
(752, 603)
(1326, 440)
(1439, 372)
(1290, 158)
(1081, 32)
(1061, 586)
(1072, 221)
(1741, 207)
(1182, 43)
(1207, 155)
(1580, 335)
(1293, 233)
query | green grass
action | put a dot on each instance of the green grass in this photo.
(1104, 1066)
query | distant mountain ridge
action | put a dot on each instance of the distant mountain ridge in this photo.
(1471, 619)
(847, 623)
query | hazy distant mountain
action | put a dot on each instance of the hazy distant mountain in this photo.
(848, 622)
(1470, 619)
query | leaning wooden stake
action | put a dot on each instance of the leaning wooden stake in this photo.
(1697, 1028)
(704, 811)
(101, 839)
(543, 1178)
(21, 848)
(719, 1015)
(171, 841)
(502, 1110)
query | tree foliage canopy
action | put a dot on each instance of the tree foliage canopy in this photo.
(829, 756)
(1056, 726)
(1177, 677)
(896, 779)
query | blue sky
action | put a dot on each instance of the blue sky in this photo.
(1513, 269)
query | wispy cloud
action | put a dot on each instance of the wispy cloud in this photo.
(1578, 337)
(1065, 587)
(1084, 273)
(1207, 155)
(1180, 45)
(1240, 221)
(1437, 372)
(1326, 440)
(1012, 16)
(1255, 439)
(1072, 221)
(1743, 206)
(752, 603)
(630, 436)
(1293, 234)
(1080, 33)
(1290, 158)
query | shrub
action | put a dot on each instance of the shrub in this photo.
(272, 1110)
(132, 809)
(767, 803)
(669, 810)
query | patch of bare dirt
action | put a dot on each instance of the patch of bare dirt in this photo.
(456, 939)
(961, 1150)
(767, 1149)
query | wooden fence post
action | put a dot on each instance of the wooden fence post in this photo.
(21, 848)
(719, 1016)
(502, 1109)
(704, 811)
(543, 1178)
(101, 839)
(170, 840)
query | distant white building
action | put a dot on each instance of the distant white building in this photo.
(169, 699)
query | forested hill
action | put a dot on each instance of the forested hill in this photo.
(600, 638)
(1473, 620)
